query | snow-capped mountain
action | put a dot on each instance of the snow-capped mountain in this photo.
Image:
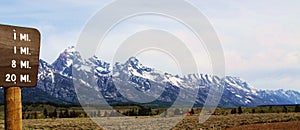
(112, 81)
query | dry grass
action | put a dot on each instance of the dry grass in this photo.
(295, 125)
(61, 124)
(229, 121)
(190, 122)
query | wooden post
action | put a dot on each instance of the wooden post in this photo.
(19, 63)
(13, 108)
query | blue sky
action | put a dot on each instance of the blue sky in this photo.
(260, 39)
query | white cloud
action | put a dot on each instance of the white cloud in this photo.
(260, 39)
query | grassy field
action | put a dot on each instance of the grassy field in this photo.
(222, 118)
(190, 122)
(294, 125)
(230, 121)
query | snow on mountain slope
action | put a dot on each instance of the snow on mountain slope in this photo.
(57, 80)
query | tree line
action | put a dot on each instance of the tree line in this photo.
(69, 113)
(63, 113)
(144, 111)
(270, 109)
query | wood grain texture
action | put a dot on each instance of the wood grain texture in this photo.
(13, 108)
(7, 44)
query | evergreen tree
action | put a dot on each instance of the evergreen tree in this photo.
(297, 108)
(106, 114)
(73, 114)
(94, 114)
(45, 112)
(60, 114)
(270, 109)
(253, 110)
(35, 115)
(85, 115)
(240, 111)
(99, 114)
(144, 112)
(28, 116)
(192, 111)
(149, 111)
(233, 111)
(130, 112)
(285, 109)
(157, 112)
(54, 114)
(66, 114)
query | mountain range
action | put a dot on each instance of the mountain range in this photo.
(55, 84)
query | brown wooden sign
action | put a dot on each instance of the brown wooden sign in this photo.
(19, 56)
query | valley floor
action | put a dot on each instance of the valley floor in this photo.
(189, 122)
(293, 125)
